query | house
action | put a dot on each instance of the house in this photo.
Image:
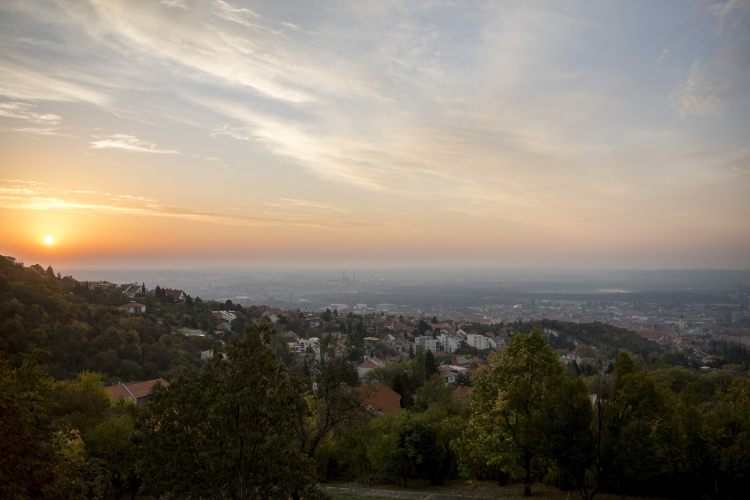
(366, 367)
(69, 282)
(10, 259)
(225, 316)
(130, 289)
(102, 285)
(291, 338)
(311, 344)
(40, 270)
(272, 317)
(567, 358)
(137, 393)
(380, 399)
(460, 361)
(177, 295)
(133, 308)
(450, 377)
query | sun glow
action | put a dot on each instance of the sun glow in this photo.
(48, 240)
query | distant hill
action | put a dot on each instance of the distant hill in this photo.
(593, 334)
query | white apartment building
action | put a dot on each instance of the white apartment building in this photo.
(432, 345)
(420, 341)
(480, 342)
(448, 343)
(313, 343)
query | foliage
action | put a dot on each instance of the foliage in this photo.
(41, 455)
(592, 334)
(509, 416)
(415, 444)
(224, 431)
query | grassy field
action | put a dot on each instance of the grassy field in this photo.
(476, 489)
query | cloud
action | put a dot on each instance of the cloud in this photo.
(511, 111)
(130, 143)
(24, 111)
(699, 95)
(22, 195)
(662, 58)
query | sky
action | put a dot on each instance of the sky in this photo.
(537, 134)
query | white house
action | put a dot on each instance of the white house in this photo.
(133, 308)
(366, 367)
(313, 343)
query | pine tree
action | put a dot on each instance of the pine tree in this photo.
(430, 366)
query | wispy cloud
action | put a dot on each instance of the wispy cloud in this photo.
(25, 111)
(21, 195)
(699, 94)
(130, 143)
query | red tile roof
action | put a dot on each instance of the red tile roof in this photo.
(380, 398)
(136, 391)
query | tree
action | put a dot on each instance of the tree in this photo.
(326, 316)
(430, 366)
(409, 444)
(110, 442)
(508, 417)
(400, 383)
(223, 431)
(41, 456)
(334, 405)
(567, 434)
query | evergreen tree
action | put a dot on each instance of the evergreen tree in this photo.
(430, 366)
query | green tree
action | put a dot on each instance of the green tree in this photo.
(41, 456)
(430, 366)
(410, 444)
(223, 431)
(508, 410)
(333, 406)
(110, 442)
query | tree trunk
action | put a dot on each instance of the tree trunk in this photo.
(502, 477)
(527, 481)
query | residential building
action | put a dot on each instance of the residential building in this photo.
(177, 295)
(137, 393)
(133, 308)
(310, 345)
(380, 399)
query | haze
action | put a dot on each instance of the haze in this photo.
(588, 135)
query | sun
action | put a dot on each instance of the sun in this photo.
(48, 240)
